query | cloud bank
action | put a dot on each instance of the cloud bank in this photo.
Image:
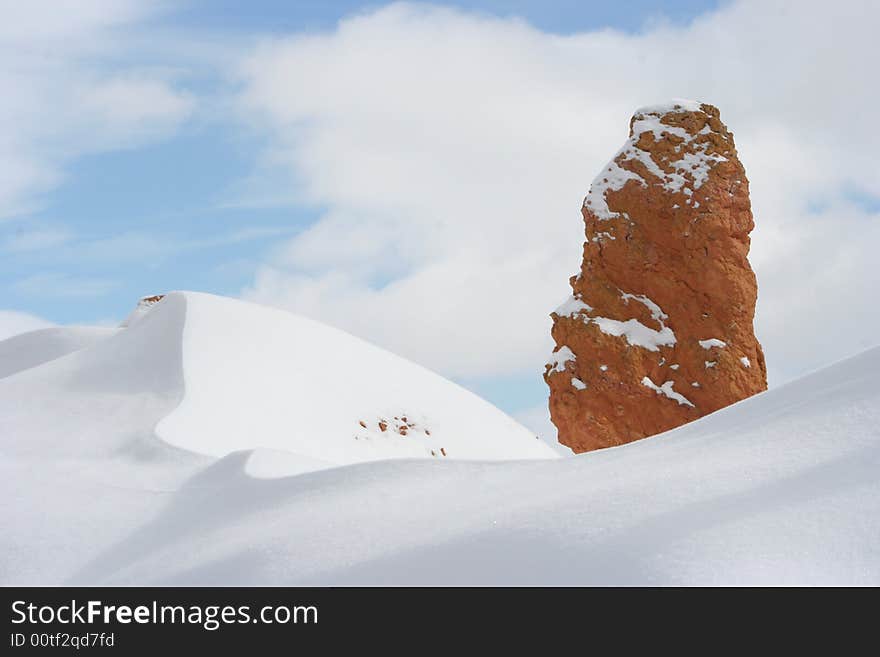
(70, 87)
(449, 154)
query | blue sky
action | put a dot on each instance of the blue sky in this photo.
(179, 189)
(564, 17)
(178, 146)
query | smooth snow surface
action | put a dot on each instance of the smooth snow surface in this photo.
(13, 322)
(27, 350)
(781, 488)
(259, 377)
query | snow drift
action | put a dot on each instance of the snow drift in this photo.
(212, 375)
(23, 351)
(113, 474)
(259, 377)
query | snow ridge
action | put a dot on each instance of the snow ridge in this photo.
(780, 488)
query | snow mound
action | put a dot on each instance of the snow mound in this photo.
(234, 375)
(780, 488)
(259, 377)
(27, 350)
(13, 322)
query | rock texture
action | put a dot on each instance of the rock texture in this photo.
(658, 330)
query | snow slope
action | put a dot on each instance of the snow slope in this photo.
(23, 351)
(238, 376)
(259, 377)
(780, 488)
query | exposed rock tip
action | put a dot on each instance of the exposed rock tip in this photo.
(143, 306)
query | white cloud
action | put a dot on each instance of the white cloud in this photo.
(13, 322)
(69, 87)
(146, 249)
(451, 153)
(58, 285)
(35, 23)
